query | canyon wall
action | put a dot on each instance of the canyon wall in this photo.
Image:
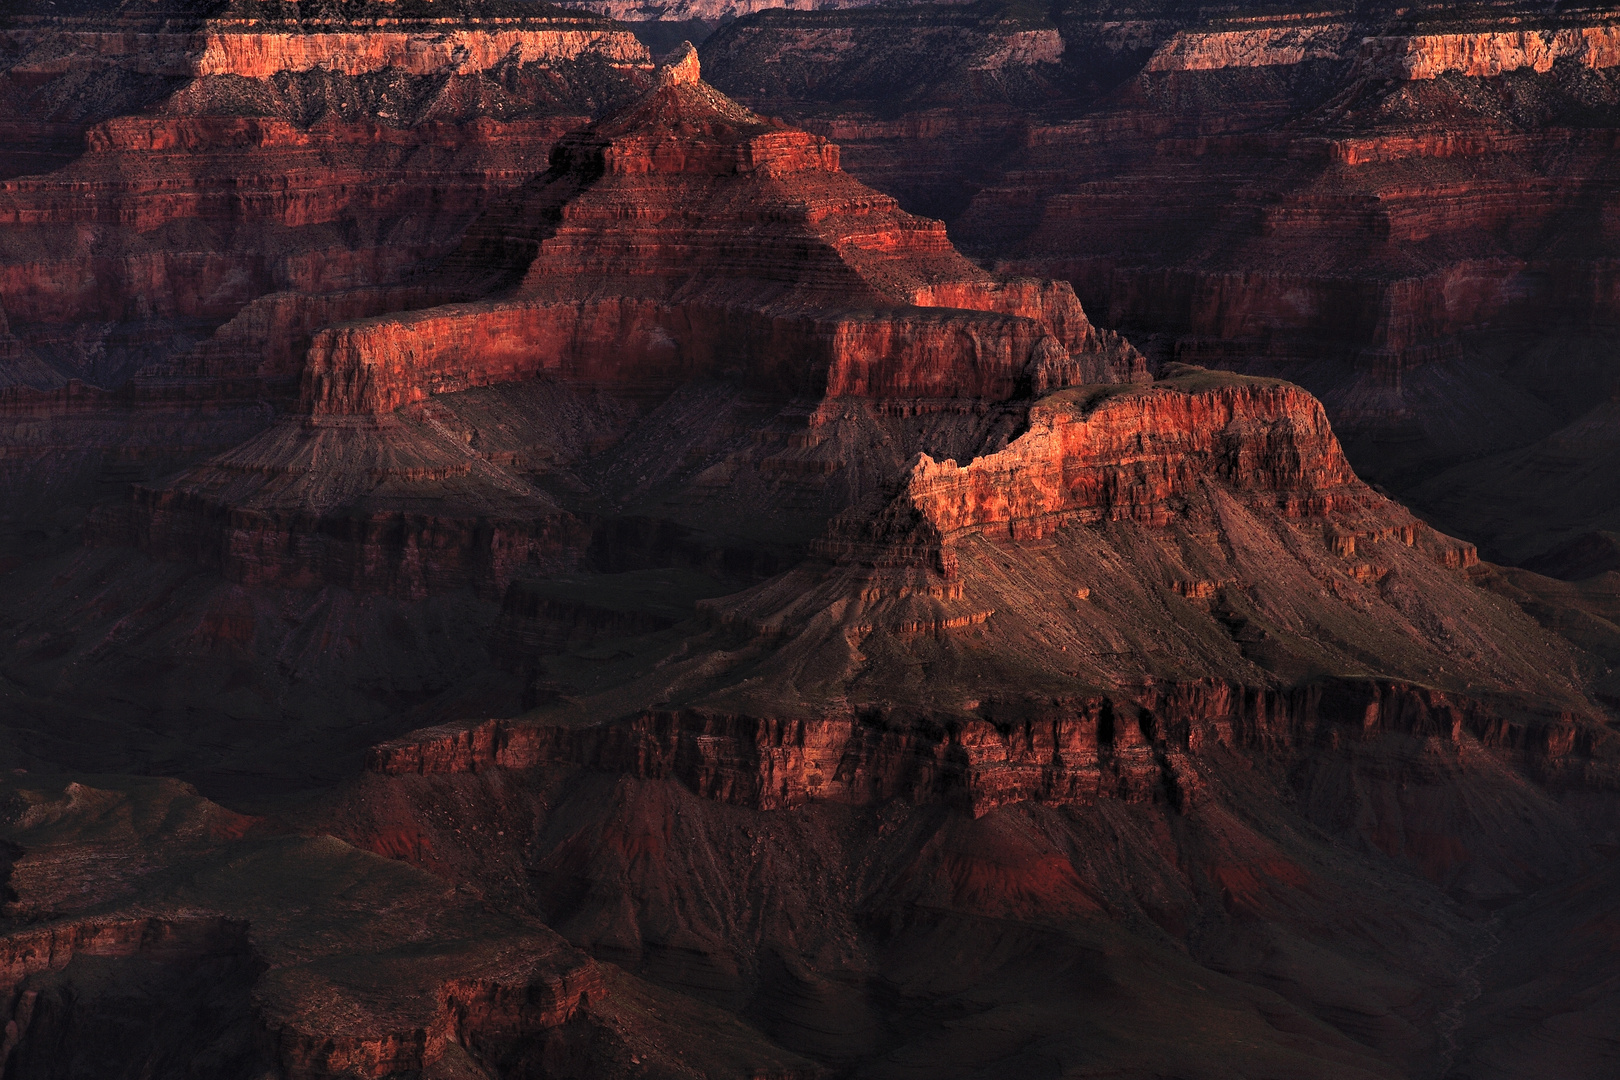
(242, 52)
(1407, 211)
(1071, 753)
(1273, 441)
(282, 132)
(746, 599)
(377, 367)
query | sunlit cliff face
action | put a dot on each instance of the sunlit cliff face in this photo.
(515, 561)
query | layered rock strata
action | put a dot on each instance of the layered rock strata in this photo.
(281, 124)
(747, 248)
(682, 239)
(1497, 48)
(1163, 605)
(884, 675)
(1400, 209)
(359, 967)
(194, 190)
(1191, 550)
(1072, 753)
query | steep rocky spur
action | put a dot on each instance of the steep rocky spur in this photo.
(1408, 211)
(748, 254)
(1151, 618)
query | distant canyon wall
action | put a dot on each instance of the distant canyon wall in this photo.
(1479, 53)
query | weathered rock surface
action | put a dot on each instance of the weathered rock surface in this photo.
(686, 236)
(280, 123)
(195, 190)
(710, 12)
(1409, 211)
(641, 603)
(222, 940)
(679, 240)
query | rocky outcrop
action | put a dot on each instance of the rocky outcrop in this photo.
(278, 125)
(692, 287)
(1474, 52)
(1134, 515)
(1359, 202)
(802, 624)
(1488, 53)
(1095, 455)
(378, 366)
(240, 51)
(1064, 753)
(527, 1001)
(750, 257)
(1284, 42)
(1132, 456)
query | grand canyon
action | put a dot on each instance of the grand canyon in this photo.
(718, 540)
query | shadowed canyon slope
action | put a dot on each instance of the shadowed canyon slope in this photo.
(644, 604)
(1409, 211)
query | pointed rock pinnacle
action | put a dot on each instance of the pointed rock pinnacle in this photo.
(681, 66)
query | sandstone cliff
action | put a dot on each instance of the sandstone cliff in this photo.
(749, 256)
(822, 303)
(637, 601)
(1380, 204)
(279, 125)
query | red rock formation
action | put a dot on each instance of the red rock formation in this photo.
(689, 283)
(1131, 457)
(680, 239)
(1485, 53)
(195, 192)
(280, 125)
(1206, 482)
(1366, 203)
(899, 671)
(1071, 753)
(1149, 607)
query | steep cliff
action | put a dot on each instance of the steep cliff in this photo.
(1409, 211)
(677, 241)
(278, 122)
(1138, 646)
(192, 190)
(635, 601)
(748, 248)
(1194, 537)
